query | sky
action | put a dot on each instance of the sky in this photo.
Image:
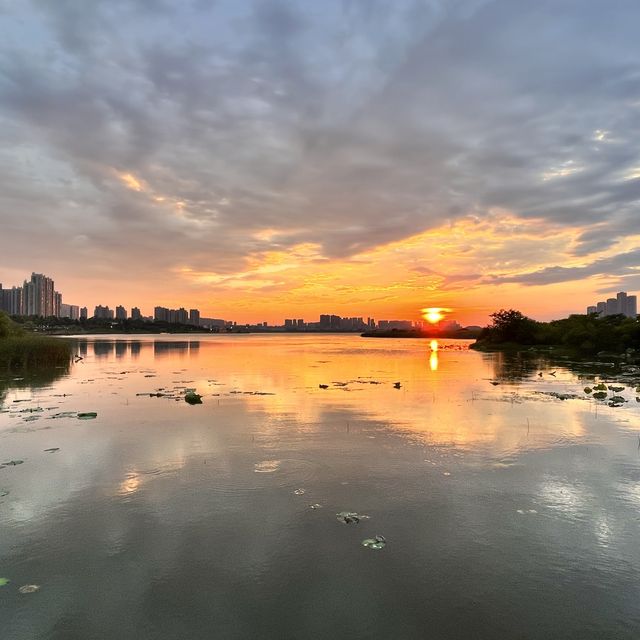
(277, 158)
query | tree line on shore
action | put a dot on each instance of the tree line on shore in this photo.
(586, 334)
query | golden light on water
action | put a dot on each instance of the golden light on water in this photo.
(434, 314)
(433, 358)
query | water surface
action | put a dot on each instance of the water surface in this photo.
(508, 513)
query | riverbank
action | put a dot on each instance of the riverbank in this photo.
(19, 349)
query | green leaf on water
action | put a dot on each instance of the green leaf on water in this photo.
(4, 582)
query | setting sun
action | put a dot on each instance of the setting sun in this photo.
(434, 314)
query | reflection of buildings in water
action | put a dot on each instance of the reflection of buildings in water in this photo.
(103, 349)
(135, 349)
(181, 347)
(121, 349)
(82, 347)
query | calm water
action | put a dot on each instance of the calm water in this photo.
(508, 513)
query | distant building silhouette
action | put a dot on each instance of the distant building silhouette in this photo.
(622, 304)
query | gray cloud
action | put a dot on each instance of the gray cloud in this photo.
(617, 266)
(348, 126)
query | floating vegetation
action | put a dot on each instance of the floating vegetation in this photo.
(588, 390)
(87, 415)
(396, 385)
(4, 582)
(350, 517)
(300, 492)
(600, 387)
(379, 542)
(616, 389)
(12, 463)
(52, 450)
(3, 493)
(323, 386)
(29, 588)
(63, 414)
(191, 397)
(600, 395)
(315, 506)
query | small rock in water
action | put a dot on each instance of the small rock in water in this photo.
(29, 588)
(379, 542)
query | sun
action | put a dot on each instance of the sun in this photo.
(433, 315)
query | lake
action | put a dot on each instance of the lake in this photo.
(503, 511)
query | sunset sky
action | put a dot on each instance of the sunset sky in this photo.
(270, 159)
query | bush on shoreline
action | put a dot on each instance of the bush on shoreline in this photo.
(588, 334)
(19, 349)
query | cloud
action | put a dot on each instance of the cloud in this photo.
(617, 265)
(172, 134)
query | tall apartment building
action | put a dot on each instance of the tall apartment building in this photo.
(194, 317)
(103, 313)
(121, 313)
(135, 313)
(622, 304)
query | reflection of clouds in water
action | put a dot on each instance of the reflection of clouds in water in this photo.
(570, 499)
(267, 466)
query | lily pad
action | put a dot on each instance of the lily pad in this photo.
(87, 415)
(588, 390)
(379, 542)
(191, 397)
(600, 395)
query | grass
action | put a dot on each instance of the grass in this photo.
(18, 352)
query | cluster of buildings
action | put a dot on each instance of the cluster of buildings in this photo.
(622, 304)
(38, 297)
(35, 297)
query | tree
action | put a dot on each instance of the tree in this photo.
(510, 325)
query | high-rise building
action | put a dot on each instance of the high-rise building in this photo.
(40, 296)
(121, 313)
(84, 313)
(103, 313)
(194, 317)
(592, 309)
(12, 301)
(71, 311)
(622, 304)
(135, 313)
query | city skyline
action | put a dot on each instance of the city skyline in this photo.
(38, 296)
(258, 157)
